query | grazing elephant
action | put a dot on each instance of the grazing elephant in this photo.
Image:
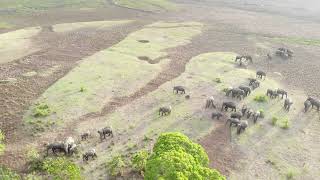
(107, 131)
(216, 115)
(54, 147)
(91, 153)
(314, 102)
(307, 105)
(246, 89)
(287, 104)
(272, 93)
(70, 145)
(282, 93)
(235, 92)
(210, 102)
(165, 110)
(232, 122)
(242, 126)
(255, 85)
(178, 89)
(251, 81)
(231, 105)
(261, 74)
(255, 116)
(236, 115)
(85, 136)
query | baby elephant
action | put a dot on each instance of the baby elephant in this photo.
(216, 115)
(210, 102)
(91, 153)
(107, 131)
(85, 136)
(287, 104)
(165, 110)
(242, 126)
(233, 121)
(54, 147)
(178, 89)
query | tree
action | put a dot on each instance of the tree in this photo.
(61, 168)
(175, 156)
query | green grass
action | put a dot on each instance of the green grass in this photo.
(297, 40)
(5, 25)
(147, 5)
(261, 98)
(2, 145)
(41, 110)
(35, 5)
(17, 44)
(110, 72)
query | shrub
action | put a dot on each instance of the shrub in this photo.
(82, 89)
(2, 145)
(290, 174)
(261, 98)
(285, 124)
(35, 163)
(61, 168)
(274, 120)
(139, 160)
(218, 80)
(41, 110)
(175, 156)
(7, 174)
(116, 166)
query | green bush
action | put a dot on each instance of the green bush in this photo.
(61, 168)
(274, 120)
(82, 89)
(2, 145)
(175, 156)
(41, 110)
(261, 98)
(7, 174)
(285, 124)
(35, 162)
(116, 165)
(139, 160)
(218, 80)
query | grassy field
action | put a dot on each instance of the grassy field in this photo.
(298, 41)
(32, 5)
(147, 5)
(16, 44)
(66, 27)
(109, 73)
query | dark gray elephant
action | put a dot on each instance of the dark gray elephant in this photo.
(227, 105)
(261, 74)
(233, 121)
(307, 105)
(210, 102)
(272, 93)
(314, 102)
(236, 115)
(244, 109)
(107, 131)
(249, 113)
(242, 126)
(56, 147)
(165, 110)
(282, 93)
(216, 115)
(251, 81)
(236, 93)
(255, 116)
(287, 104)
(178, 89)
(255, 85)
(246, 89)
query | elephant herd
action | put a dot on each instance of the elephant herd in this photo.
(68, 147)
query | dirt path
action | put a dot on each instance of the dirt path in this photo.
(61, 50)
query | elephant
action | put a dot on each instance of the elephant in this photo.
(255, 85)
(246, 89)
(210, 102)
(54, 147)
(282, 93)
(261, 74)
(178, 89)
(314, 102)
(255, 116)
(236, 115)
(91, 153)
(272, 93)
(231, 105)
(307, 105)
(287, 104)
(233, 121)
(244, 109)
(249, 113)
(107, 131)
(165, 110)
(242, 125)
(216, 115)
